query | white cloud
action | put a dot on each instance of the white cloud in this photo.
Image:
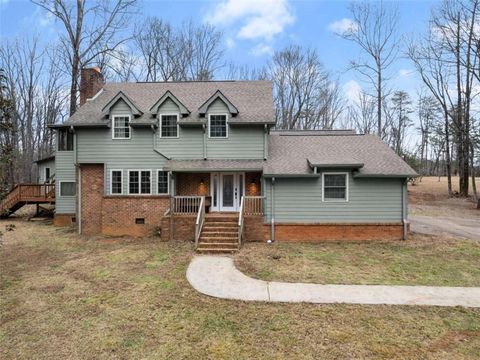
(230, 42)
(253, 19)
(352, 90)
(405, 73)
(262, 49)
(344, 25)
(46, 19)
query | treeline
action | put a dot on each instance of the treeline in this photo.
(436, 129)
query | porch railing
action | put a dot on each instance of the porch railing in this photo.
(186, 205)
(253, 205)
(240, 221)
(200, 220)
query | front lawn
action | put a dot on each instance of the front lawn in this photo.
(422, 260)
(65, 297)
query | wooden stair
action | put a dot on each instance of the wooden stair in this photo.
(24, 194)
(219, 234)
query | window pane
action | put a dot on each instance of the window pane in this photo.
(67, 189)
(335, 180)
(145, 182)
(133, 183)
(169, 126)
(218, 126)
(116, 182)
(334, 193)
(163, 182)
(65, 140)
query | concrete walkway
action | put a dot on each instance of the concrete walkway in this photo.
(217, 276)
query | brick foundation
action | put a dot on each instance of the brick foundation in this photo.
(184, 227)
(64, 220)
(254, 228)
(118, 215)
(335, 232)
(193, 184)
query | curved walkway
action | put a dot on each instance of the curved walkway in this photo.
(217, 276)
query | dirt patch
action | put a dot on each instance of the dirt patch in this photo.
(452, 339)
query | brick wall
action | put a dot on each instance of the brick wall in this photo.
(192, 184)
(184, 227)
(254, 228)
(335, 232)
(92, 194)
(252, 184)
(64, 220)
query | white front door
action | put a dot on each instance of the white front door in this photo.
(229, 191)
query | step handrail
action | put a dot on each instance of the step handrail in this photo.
(200, 220)
(241, 221)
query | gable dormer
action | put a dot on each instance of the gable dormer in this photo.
(203, 109)
(121, 98)
(169, 97)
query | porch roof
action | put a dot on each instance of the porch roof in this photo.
(213, 165)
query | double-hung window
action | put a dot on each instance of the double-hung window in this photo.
(121, 127)
(68, 188)
(169, 126)
(162, 179)
(335, 187)
(218, 126)
(139, 182)
(116, 182)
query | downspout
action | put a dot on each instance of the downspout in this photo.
(404, 210)
(172, 184)
(272, 206)
(79, 199)
(204, 142)
(265, 143)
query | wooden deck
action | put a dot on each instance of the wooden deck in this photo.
(24, 194)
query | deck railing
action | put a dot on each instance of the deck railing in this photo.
(186, 205)
(200, 220)
(253, 205)
(33, 193)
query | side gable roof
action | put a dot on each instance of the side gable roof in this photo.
(202, 110)
(168, 95)
(121, 96)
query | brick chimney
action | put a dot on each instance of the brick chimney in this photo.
(91, 81)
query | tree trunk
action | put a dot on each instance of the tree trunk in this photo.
(447, 155)
(379, 100)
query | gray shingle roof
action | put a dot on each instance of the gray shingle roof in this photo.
(253, 99)
(290, 154)
(214, 165)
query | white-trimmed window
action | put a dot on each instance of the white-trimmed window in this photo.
(169, 125)
(65, 140)
(116, 182)
(163, 182)
(139, 182)
(121, 127)
(68, 188)
(217, 126)
(335, 187)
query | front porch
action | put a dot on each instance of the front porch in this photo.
(218, 211)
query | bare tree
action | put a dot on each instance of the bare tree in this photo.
(374, 29)
(362, 114)
(90, 31)
(191, 52)
(305, 96)
(401, 106)
(428, 113)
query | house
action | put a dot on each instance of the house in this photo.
(46, 169)
(201, 161)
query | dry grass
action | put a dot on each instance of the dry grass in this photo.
(422, 260)
(65, 297)
(430, 197)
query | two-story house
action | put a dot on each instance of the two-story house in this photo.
(200, 161)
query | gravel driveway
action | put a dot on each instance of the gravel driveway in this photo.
(434, 225)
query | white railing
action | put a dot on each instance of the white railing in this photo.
(186, 205)
(199, 221)
(253, 205)
(240, 221)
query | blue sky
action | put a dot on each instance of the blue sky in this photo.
(253, 29)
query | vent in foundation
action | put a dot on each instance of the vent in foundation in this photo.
(139, 221)
(74, 219)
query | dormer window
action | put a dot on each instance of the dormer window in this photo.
(169, 126)
(121, 127)
(217, 126)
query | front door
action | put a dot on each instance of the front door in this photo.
(228, 193)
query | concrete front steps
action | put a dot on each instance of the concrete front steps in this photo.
(219, 234)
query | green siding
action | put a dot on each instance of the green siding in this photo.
(41, 170)
(65, 171)
(299, 200)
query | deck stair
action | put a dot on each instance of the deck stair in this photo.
(219, 234)
(24, 194)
